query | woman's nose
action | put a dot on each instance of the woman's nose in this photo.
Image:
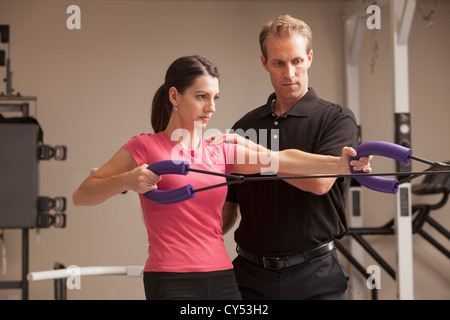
(211, 107)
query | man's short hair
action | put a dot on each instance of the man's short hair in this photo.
(284, 25)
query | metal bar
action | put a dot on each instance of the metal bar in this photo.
(15, 107)
(372, 231)
(86, 271)
(60, 284)
(374, 254)
(10, 284)
(438, 227)
(436, 244)
(25, 263)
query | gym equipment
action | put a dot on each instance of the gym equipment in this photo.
(22, 149)
(402, 13)
(372, 181)
(21, 144)
(60, 273)
(431, 185)
(4, 38)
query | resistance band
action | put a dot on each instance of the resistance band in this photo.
(374, 181)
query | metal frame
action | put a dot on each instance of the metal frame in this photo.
(401, 19)
(421, 213)
(23, 283)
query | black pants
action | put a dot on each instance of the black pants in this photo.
(319, 278)
(215, 285)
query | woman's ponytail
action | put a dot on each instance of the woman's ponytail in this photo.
(161, 110)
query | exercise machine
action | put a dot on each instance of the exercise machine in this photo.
(402, 12)
(22, 145)
(421, 215)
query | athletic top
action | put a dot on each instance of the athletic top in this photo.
(185, 236)
(276, 217)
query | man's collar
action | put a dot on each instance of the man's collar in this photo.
(302, 108)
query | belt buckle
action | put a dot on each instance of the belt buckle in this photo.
(267, 261)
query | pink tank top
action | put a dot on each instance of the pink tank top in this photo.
(185, 236)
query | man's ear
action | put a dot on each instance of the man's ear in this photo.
(264, 62)
(310, 58)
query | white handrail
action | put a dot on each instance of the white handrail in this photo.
(133, 271)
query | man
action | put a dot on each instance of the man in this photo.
(285, 240)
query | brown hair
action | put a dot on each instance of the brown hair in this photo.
(181, 74)
(282, 26)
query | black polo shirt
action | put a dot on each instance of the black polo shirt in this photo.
(276, 216)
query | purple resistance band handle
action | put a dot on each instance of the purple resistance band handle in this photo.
(386, 149)
(170, 196)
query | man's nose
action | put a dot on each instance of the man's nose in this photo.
(290, 71)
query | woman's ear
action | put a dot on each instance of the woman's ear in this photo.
(173, 96)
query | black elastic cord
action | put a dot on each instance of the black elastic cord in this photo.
(241, 179)
(234, 181)
(411, 177)
(347, 175)
(421, 160)
(229, 176)
(436, 168)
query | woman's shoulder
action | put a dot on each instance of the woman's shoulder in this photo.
(149, 137)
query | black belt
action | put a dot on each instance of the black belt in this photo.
(278, 263)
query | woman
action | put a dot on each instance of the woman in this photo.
(186, 254)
